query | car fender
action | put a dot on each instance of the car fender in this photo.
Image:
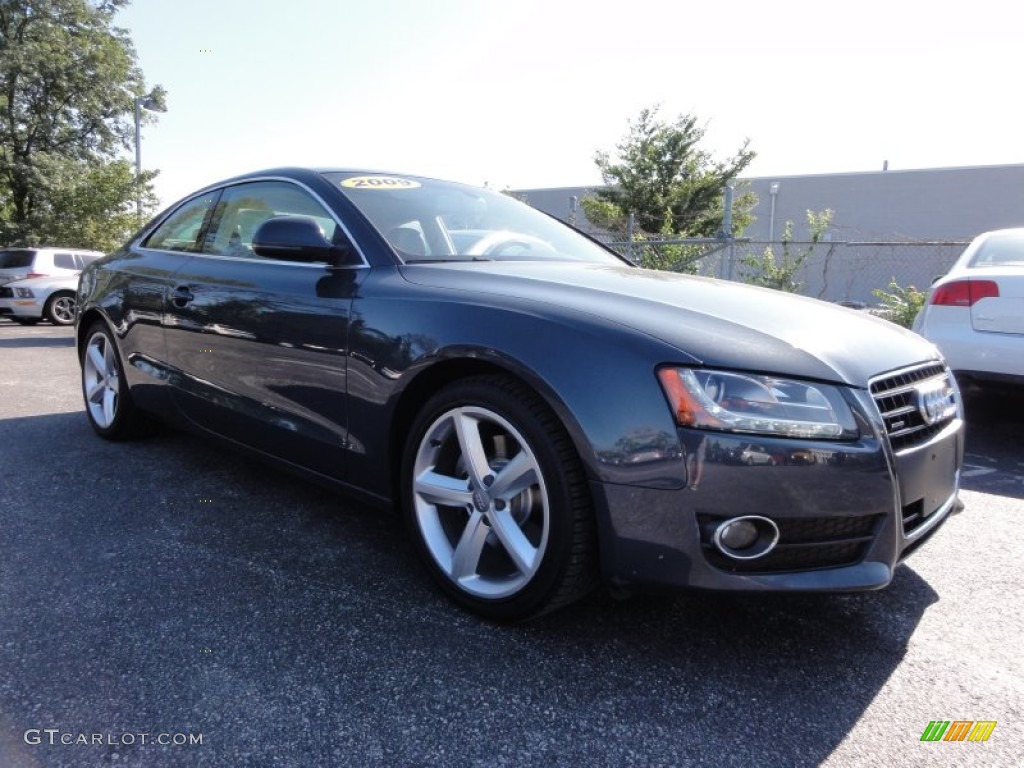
(390, 375)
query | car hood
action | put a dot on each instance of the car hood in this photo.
(716, 322)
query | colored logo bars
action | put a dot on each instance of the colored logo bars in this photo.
(958, 730)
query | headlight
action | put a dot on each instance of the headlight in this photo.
(752, 403)
(24, 293)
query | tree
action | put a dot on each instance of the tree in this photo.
(87, 203)
(780, 272)
(900, 305)
(68, 80)
(672, 186)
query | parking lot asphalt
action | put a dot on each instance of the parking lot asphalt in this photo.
(168, 587)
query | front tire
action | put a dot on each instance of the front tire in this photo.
(496, 500)
(108, 401)
(60, 309)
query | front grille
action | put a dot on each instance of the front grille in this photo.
(805, 543)
(896, 398)
(6, 293)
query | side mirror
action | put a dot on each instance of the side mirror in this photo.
(297, 238)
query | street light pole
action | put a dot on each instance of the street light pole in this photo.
(141, 102)
(773, 190)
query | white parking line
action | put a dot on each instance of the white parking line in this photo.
(973, 470)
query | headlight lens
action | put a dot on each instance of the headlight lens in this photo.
(24, 293)
(752, 403)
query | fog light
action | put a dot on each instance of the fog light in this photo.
(739, 534)
(746, 538)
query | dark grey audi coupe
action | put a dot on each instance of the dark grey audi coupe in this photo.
(545, 414)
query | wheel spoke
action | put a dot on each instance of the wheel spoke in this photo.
(512, 538)
(467, 429)
(435, 488)
(514, 478)
(95, 390)
(109, 405)
(108, 361)
(466, 556)
(97, 358)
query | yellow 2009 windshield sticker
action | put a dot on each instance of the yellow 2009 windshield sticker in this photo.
(379, 182)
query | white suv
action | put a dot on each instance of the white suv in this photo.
(19, 263)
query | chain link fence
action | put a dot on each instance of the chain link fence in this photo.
(833, 271)
(708, 257)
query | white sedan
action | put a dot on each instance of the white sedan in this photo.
(29, 301)
(975, 313)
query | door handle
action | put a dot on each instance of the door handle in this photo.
(182, 296)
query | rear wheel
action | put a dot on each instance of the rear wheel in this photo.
(108, 402)
(497, 502)
(60, 309)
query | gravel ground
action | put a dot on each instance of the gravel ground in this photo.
(168, 588)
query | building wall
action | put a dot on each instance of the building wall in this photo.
(931, 204)
(935, 204)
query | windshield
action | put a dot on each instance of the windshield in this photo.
(1001, 250)
(428, 220)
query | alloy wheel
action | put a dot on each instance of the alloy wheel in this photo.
(62, 310)
(101, 380)
(480, 502)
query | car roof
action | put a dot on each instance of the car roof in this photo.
(1016, 231)
(294, 170)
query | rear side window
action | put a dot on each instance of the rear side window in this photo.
(183, 230)
(64, 261)
(84, 258)
(16, 259)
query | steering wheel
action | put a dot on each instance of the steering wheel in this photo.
(505, 244)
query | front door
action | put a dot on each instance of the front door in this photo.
(257, 346)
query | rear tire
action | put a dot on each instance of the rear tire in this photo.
(108, 401)
(60, 309)
(497, 502)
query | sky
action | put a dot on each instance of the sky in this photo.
(523, 93)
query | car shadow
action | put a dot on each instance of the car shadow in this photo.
(749, 677)
(42, 341)
(312, 609)
(995, 421)
(22, 341)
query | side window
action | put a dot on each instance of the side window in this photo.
(64, 261)
(184, 229)
(85, 258)
(243, 207)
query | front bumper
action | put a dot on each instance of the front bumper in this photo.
(847, 513)
(20, 308)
